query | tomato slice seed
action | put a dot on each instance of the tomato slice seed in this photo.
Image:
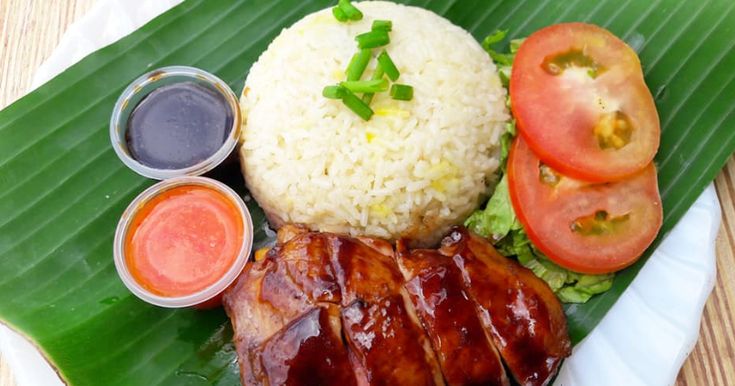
(557, 64)
(599, 223)
(613, 130)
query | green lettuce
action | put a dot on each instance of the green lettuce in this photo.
(499, 223)
(504, 61)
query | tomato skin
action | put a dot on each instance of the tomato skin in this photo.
(548, 213)
(557, 114)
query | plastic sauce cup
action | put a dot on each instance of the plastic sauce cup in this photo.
(142, 87)
(182, 213)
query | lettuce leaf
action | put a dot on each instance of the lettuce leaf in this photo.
(498, 218)
(504, 61)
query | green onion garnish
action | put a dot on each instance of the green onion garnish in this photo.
(385, 25)
(372, 39)
(369, 86)
(377, 75)
(339, 14)
(333, 92)
(357, 65)
(349, 10)
(357, 105)
(401, 92)
(388, 66)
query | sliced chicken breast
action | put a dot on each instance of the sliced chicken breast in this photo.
(434, 283)
(519, 311)
(381, 329)
(309, 352)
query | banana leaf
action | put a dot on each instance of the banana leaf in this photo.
(62, 189)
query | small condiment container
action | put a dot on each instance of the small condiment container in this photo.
(175, 121)
(182, 242)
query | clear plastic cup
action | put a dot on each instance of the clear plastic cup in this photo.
(209, 295)
(144, 85)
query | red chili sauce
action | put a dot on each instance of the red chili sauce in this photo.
(183, 240)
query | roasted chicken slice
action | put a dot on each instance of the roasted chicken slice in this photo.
(322, 308)
(466, 355)
(309, 351)
(304, 263)
(307, 269)
(520, 312)
(272, 293)
(253, 320)
(380, 326)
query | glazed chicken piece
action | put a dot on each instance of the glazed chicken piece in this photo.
(522, 315)
(252, 320)
(381, 328)
(289, 282)
(466, 355)
(309, 351)
(385, 344)
(326, 309)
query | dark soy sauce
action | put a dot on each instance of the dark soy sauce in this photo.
(178, 125)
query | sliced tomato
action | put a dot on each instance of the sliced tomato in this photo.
(579, 98)
(585, 227)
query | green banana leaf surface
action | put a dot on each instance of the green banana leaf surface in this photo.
(62, 189)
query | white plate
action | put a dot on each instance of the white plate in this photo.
(643, 340)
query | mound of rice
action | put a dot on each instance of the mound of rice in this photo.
(414, 169)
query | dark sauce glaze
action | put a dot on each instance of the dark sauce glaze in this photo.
(309, 351)
(362, 271)
(178, 125)
(523, 316)
(466, 355)
(386, 342)
(358, 285)
(303, 264)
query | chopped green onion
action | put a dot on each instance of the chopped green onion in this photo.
(333, 92)
(385, 25)
(357, 105)
(388, 66)
(372, 39)
(357, 65)
(350, 10)
(359, 86)
(401, 92)
(377, 74)
(339, 14)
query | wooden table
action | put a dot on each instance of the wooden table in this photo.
(31, 30)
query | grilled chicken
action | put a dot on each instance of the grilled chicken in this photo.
(253, 321)
(323, 309)
(520, 312)
(380, 327)
(272, 293)
(386, 344)
(467, 356)
(309, 351)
